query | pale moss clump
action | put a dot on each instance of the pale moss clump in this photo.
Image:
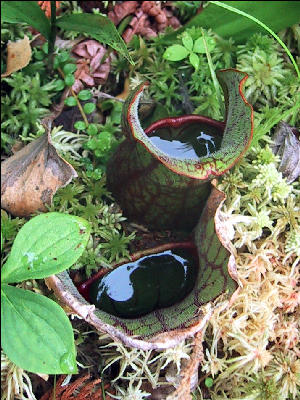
(156, 368)
(261, 59)
(131, 392)
(254, 345)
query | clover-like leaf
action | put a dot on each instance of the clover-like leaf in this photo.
(176, 52)
(187, 41)
(194, 60)
(199, 46)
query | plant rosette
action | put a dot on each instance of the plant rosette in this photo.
(165, 187)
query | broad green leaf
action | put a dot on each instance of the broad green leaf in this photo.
(99, 27)
(187, 41)
(175, 53)
(27, 12)
(199, 46)
(36, 333)
(194, 60)
(47, 244)
(277, 15)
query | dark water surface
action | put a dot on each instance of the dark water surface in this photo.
(192, 142)
(152, 282)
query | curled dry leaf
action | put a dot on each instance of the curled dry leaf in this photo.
(91, 70)
(18, 56)
(287, 146)
(31, 177)
(122, 10)
(149, 18)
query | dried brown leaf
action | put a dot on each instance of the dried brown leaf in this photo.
(91, 71)
(286, 145)
(18, 56)
(121, 10)
(31, 177)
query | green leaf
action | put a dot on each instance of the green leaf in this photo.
(261, 24)
(36, 333)
(69, 79)
(79, 125)
(187, 41)
(277, 15)
(70, 101)
(61, 58)
(209, 382)
(84, 95)
(59, 84)
(99, 27)
(27, 12)
(92, 129)
(45, 245)
(89, 108)
(176, 52)
(194, 60)
(69, 68)
(199, 46)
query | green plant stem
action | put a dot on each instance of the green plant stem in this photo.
(237, 11)
(213, 74)
(52, 36)
(80, 108)
(124, 23)
(77, 101)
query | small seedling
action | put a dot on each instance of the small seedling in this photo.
(177, 52)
